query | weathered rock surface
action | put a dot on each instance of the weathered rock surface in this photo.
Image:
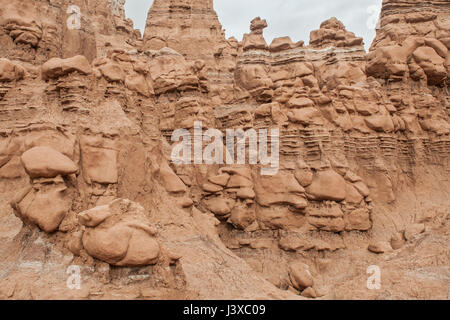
(86, 119)
(119, 234)
(45, 162)
(45, 204)
(327, 185)
(380, 247)
(300, 276)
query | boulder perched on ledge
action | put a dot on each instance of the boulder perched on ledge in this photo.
(44, 204)
(45, 162)
(56, 67)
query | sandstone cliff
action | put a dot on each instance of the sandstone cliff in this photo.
(87, 116)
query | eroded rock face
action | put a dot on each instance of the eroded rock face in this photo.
(327, 185)
(87, 117)
(118, 233)
(184, 26)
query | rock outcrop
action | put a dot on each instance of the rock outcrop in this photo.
(87, 114)
(117, 233)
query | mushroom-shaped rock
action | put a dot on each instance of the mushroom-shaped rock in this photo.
(45, 162)
(119, 234)
(57, 67)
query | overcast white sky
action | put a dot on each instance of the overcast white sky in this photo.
(294, 18)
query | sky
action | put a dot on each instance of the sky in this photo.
(294, 18)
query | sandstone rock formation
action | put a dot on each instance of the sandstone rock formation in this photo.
(118, 234)
(87, 115)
